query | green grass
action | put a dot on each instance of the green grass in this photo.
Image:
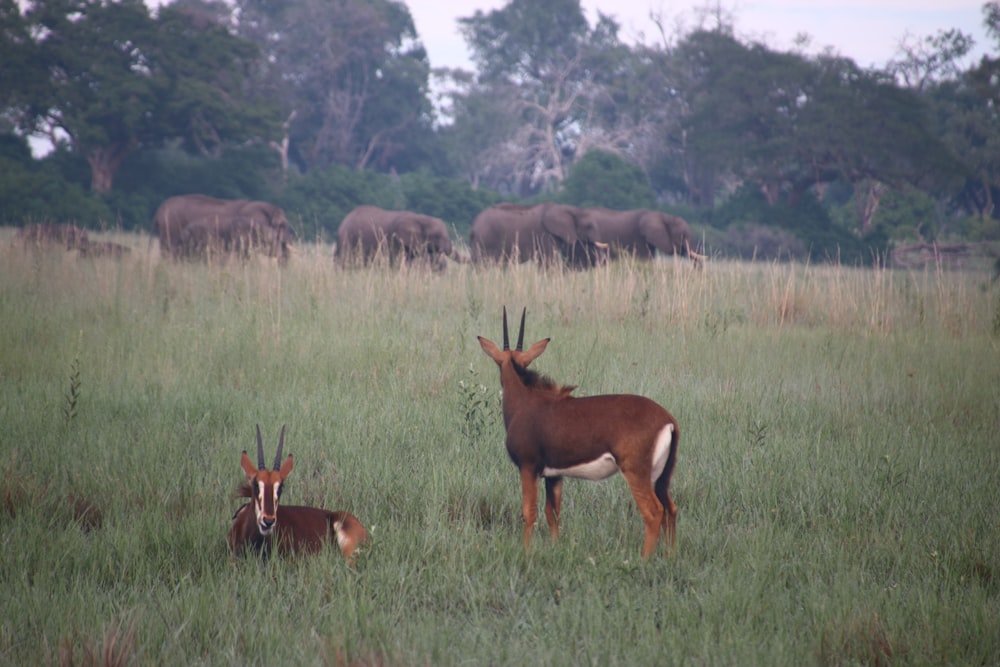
(837, 475)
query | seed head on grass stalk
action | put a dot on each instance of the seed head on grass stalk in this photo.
(73, 395)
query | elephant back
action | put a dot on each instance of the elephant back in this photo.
(510, 233)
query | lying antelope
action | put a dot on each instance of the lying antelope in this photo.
(552, 434)
(293, 527)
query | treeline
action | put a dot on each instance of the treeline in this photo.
(319, 107)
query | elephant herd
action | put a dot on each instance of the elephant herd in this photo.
(197, 226)
(545, 233)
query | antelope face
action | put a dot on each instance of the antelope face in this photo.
(265, 485)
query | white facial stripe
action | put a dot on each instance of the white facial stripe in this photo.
(259, 505)
(600, 468)
(661, 450)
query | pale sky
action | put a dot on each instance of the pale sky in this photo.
(867, 31)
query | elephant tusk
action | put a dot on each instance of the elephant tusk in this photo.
(601, 245)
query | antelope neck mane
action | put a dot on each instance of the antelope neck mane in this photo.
(536, 380)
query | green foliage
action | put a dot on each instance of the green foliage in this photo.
(908, 214)
(601, 178)
(359, 104)
(454, 201)
(321, 198)
(116, 78)
(803, 230)
(41, 191)
(524, 38)
(479, 408)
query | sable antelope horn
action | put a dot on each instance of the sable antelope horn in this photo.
(260, 450)
(520, 334)
(281, 443)
(506, 342)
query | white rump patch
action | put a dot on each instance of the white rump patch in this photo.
(600, 468)
(661, 450)
(338, 530)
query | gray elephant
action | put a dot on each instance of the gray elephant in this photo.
(546, 233)
(369, 232)
(641, 233)
(219, 237)
(198, 225)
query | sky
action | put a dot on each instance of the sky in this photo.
(867, 31)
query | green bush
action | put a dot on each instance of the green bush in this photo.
(601, 178)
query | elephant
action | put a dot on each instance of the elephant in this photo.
(542, 232)
(369, 232)
(205, 238)
(642, 233)
(197, 225)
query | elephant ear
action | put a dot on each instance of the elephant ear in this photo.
(407, 229)
(561, 223)
(654, 228)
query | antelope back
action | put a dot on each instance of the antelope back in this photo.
(265, 485)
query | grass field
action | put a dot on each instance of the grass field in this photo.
(838, 471)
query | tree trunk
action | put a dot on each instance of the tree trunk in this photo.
(868, 197)
(104, 163)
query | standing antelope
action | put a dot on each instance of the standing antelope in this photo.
(552, 434)
(294, 527)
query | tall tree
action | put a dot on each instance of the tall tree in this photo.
(542, 57)
(788, 123)
(351, 76)
(969, 113)
(112, 79)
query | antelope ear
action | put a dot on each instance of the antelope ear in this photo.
(286, 468)
(534, 351)
(491, 349)
(248, 467)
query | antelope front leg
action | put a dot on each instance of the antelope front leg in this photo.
(529, 502)
(553, 501)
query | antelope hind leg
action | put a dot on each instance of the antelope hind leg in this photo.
(553, 503)
(649, 507)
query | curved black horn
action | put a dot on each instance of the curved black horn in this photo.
(520, 334)
(260, 450)
(506, 342)
(281, 444)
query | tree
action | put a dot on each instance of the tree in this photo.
(111, 80)
(604, 179)
(970, 116)
(789, 124)
(546, 64)
(351, 77)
